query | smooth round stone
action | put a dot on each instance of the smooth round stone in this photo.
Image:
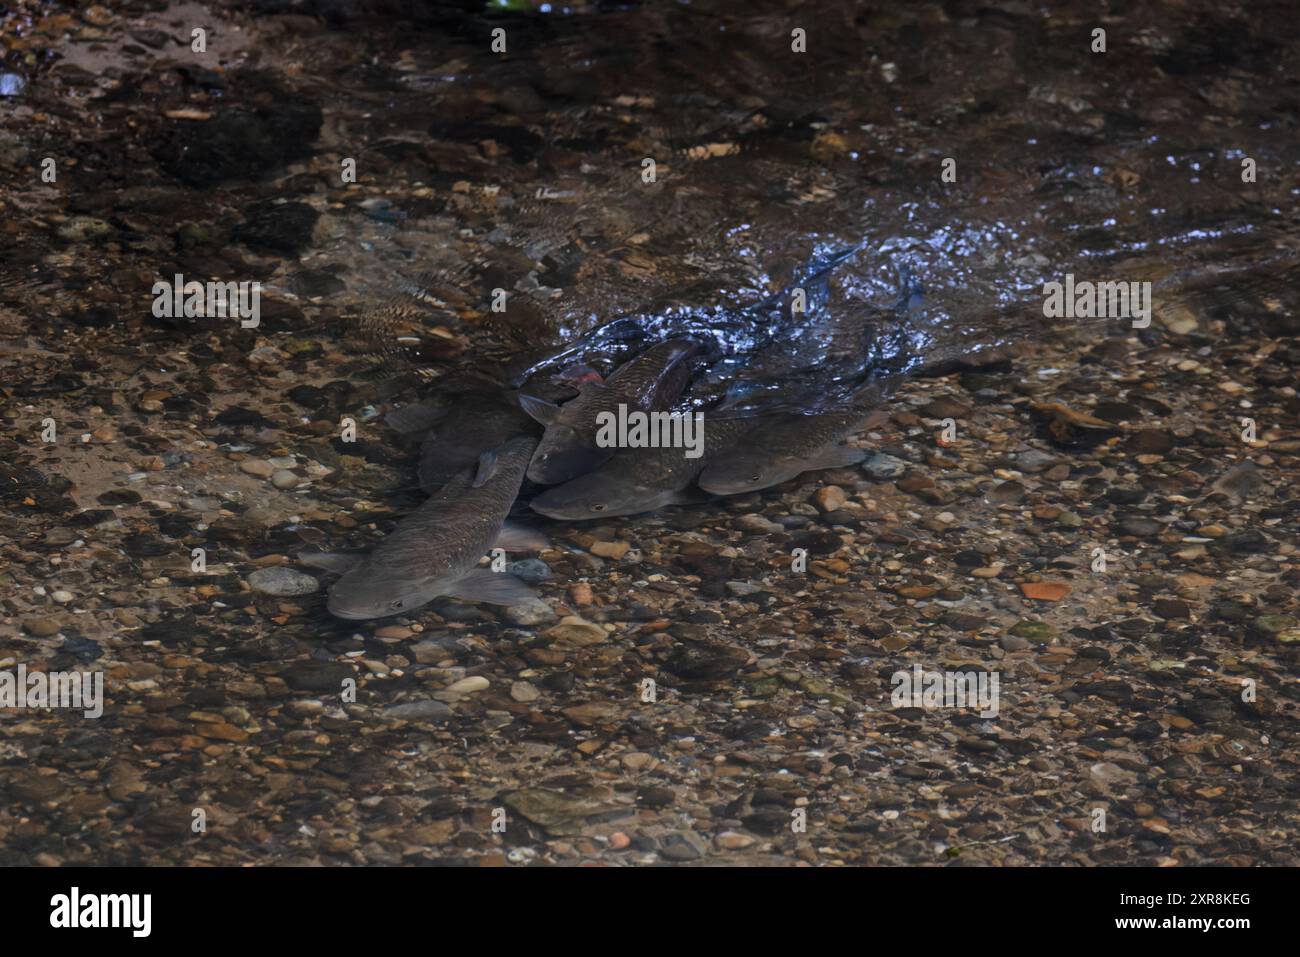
(470, 685)
(531, 570)
(282, 581)
(284, 479)
(531, 611)
(257, 467)
(882, 467)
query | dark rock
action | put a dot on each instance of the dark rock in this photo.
(317, 675)
(1168, 608)
(240, 143)
(279, 227)
(1150, 442)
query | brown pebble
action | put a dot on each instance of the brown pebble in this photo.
(256, 467)
(829, 498)
(614, 550)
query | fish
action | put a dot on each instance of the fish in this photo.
(641, 480)
(471, 425)
(453, 434)
(652, 381)
(434, 551)
(785, 445)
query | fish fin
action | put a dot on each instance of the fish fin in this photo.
(838, 455)
(331, 561)
(689, 496)
(487, 465)
(521, 538)
(493, 588)
(539, 410)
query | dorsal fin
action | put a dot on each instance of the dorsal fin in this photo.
(539, 410)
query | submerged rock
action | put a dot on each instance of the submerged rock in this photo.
(282, 581)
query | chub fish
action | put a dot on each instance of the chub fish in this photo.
(434, 551)
(650, 382)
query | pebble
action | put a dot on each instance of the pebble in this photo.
(682, 846)
(1139, 527)
(529, 612)
(734, 841)
(11, 84)
(1169, 608)
(317, 675)
(1035, 460)
(41, 627)
(613, 550)
(754, 522)
(1045, 591)
(1006, 493)
(575, 630)
(829, 498)
(1277, 627)
(884, 467)
(1036, 631)
(468, 685)
(256, 467)
(279, 580)
(284, 479)
(524, 691)
(433, 650)
(1151, 442)
(558, 813)
(419, 711)
(945, 408)
(534, 571)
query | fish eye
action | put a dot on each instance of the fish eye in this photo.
(598, 508)
(754, 478)
(397, 603)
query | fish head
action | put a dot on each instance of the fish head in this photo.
(562, 455)
(747, 472)
(593, 496)
(364, 593)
